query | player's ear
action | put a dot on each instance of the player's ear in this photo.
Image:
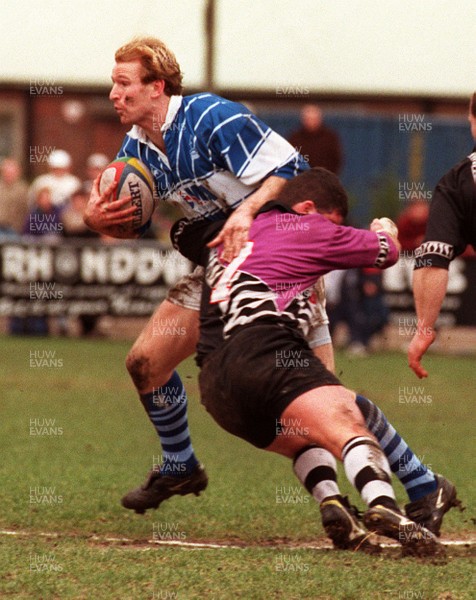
(309, 207)
(159, 87)
(305, 207)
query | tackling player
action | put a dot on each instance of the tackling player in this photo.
(258, 374)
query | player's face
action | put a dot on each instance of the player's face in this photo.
(131, 97)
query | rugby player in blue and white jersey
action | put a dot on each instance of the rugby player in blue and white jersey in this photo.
(214, 158)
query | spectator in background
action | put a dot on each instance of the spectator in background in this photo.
(369, 315)
(451, 227)
(411, 224)
(359, 304)
(74, 227)
(95, 165)
(319, 144)
(59, 179)
(13, 198)
(13, 212)
(43, 221)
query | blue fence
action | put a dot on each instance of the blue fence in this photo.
(384, 152)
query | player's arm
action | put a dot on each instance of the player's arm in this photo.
(444, 240)
(319, 336)
(352, 248)
(429, 290)
(258, 157)
(387, 226)
(325, 354)
(234, 234)
(432, 260)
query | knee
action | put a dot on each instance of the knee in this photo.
(138, 366)
(347, 411)
(347, 401)
(349, 395)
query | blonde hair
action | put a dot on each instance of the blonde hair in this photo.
(158, 62)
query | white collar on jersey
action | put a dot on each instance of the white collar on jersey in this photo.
(174, 104)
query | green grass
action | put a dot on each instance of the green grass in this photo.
(88, 571)
(101, 444)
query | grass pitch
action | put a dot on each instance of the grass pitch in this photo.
(75, 438)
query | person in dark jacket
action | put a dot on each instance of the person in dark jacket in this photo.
(319, 144)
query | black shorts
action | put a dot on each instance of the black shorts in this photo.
(247, 383)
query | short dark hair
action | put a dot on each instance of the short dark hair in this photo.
(319, 185)
(472, 105)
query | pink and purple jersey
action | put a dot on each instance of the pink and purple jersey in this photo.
(274, 274)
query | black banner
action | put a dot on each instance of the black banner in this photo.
(130, 278)
(86, 277)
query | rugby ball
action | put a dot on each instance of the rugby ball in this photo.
(135, 180)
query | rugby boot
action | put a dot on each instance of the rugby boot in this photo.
(430, 510)
(158, 488)
(340, 521)
(414, 538)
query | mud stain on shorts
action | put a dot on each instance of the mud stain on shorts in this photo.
(187, 291)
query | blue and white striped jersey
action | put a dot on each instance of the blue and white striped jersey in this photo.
(217, 154)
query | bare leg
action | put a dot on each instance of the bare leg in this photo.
(169, 337)
(328, 415)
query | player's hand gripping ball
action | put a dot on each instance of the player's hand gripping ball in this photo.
(135, 180)
(389, 226)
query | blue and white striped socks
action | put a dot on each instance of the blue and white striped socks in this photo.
(416, 477)
(166, 408)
